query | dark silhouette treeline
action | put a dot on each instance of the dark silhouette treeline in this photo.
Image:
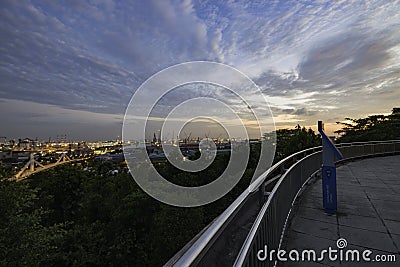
(371, 128)
(90, 215)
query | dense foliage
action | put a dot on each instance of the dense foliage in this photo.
(290, 141)
(371, 128)
(5, 171)
(90, 216)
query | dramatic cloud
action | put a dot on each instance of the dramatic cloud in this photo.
(313, 59)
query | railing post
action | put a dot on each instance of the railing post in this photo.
(329, 193)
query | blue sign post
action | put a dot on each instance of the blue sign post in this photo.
(329, 151)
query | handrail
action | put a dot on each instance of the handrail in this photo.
(256, 184)
(200, 244)
(246, 246)
(197, 248)
(262, 218)
(368, 142)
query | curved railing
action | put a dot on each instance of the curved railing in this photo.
(196, 250)
(365, 149)
(274, 193)
(270, 224)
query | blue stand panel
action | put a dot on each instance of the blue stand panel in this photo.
(329, 189)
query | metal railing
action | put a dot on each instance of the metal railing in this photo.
(197, 249)
(365, 149)
(270, 225)
(274, 192)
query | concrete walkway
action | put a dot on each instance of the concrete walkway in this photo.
(368, 214)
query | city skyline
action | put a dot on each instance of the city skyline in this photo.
(71, 67)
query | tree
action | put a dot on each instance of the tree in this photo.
(70, 217)
(290, 141)
(371, 128)
(5, 171)
(24, 241)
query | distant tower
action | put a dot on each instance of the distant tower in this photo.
(154, 138)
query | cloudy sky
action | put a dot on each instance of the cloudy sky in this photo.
(71, 67)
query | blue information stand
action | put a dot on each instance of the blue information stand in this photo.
(329, 151)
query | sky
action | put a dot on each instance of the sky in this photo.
(71, 67)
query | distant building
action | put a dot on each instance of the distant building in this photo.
(27, 144)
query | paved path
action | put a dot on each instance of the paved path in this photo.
(368, 214)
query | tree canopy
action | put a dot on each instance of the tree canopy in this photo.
(290, 141)
(371, 128)
(90, 216)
